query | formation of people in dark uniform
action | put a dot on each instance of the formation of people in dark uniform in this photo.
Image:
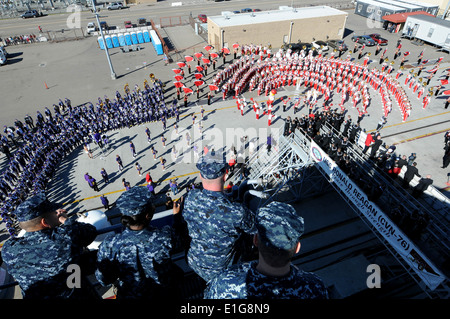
(42, 143)
(446, 157)
(342, 136)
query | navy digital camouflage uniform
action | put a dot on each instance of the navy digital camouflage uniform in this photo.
(279, 225)
(39, 259)
(215, 223)
(138, 259)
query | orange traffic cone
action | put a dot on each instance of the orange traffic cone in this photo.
(46, 85)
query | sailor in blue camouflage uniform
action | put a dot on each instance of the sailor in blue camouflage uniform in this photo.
(272, 276)
(39, 259)
(216, 224)
(139, 257)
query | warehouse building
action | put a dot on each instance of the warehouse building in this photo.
(435, 31)
(397, 21)
(276, 27)
(426, 6)
(377, 9)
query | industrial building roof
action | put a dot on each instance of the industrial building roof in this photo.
(432, 19)
(229, 20)
(421, 4)
(401, 17)
(401, 4)
(381, 4)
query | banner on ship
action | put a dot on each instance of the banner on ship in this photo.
(380, 221)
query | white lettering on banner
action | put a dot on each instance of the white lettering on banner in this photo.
(399, 241)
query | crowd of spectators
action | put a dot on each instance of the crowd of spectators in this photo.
(336, 135)
(19, 39)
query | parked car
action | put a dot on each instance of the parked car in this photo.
(378, 39)
(256, 10)
(338, 45)
(3, 50)
(142, 21)
(236, 11)
(31, 14)
(320, 45)
(104, 25)
(91, 27)
(3, 58)
(246, 10)
(115, 6)
(363, 39)
(128, 24)
(202, 18)
(297, 46)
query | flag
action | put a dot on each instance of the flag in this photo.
(188, 58)
(213, 87)
(208, 47)
(214, 55)
(181, 64)
(199, 83)
(446, 92)
(235, 45)
(187, 90)
(178, 84)
(421, 53)
(178, 77)
(198, 76)
(433, 70)
(406, 53)
(199, 68)
(440, 59)
(198, 55)
(206, 61)
(177, 71)
(226, 50)
(424, 61)
(444, 82)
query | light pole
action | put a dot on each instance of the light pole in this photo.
(113, 74)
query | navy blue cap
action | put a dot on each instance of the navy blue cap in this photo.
(212, 166)
(134, 201)
(279, 225)
(34, 207)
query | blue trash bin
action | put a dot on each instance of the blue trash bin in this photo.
(101, 43)
(134, 38)
(128, 39)
(121, 39)
(115, 40)
(108, 41)
(140, 37)
(146, 34)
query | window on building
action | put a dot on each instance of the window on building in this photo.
(359, 7)
(430, 32)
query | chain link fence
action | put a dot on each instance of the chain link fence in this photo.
(15, 8)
